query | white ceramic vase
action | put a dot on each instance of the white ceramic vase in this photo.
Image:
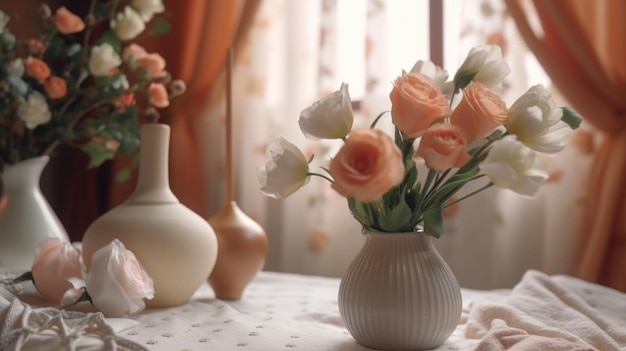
(176, 246)
(27, 218)
(399, 294)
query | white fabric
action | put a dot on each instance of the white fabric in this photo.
(551, 313)
(25, 326)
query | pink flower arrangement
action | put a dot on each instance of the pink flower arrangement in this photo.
(82, 82)
(116, 284)
(461, 130)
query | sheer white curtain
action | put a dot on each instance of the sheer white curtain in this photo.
(299, 51)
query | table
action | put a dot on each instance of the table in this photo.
(278, 311)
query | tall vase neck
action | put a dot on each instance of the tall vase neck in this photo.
(153, 180)
(25, 173)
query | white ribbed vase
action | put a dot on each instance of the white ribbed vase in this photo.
(399, 294)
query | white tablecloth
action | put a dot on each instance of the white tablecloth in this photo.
(278, 311)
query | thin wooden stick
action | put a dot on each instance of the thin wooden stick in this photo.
(229, 125)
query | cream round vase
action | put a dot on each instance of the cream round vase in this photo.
(399, 294)
(176, 246)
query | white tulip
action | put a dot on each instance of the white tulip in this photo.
(536, 121)
(329, 118)
(285, 170)
(483, 64)
(147, 8)
(511, 165)
(128, 24)
(34, 111)
(103, 59)
(4, 19)
(429, 69)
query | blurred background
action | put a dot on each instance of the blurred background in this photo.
(288, 54)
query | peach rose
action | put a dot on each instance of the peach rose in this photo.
(35, 46)
(416, 102)
(55, 262)
(153, 63)
(55, 87)
(367, 166)
(67, 22)
(158, 95)
(132, 53)
(443, 146)
(37, 69)
(479, 112)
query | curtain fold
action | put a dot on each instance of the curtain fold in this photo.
(581, 45)
(195, 51)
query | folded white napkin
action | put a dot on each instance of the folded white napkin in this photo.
(551, 313)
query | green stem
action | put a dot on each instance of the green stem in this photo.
(320, 175)
(488, 185)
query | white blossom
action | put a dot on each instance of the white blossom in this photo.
(511, 165)
(483, 64)
(16, 67)
(329, 118)
(536, 121)
(103, 59)
(147, 8)
(128, 24)
(285, 170)
(34, 111)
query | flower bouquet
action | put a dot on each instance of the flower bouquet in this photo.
(460, 129)
(81, 82)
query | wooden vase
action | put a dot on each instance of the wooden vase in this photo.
(242, 251)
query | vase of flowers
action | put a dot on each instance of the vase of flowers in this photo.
(82, 83)
(463, 133)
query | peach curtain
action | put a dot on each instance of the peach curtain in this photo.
(582, 46)
(195, 51)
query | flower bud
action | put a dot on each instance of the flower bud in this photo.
(44, 11)
(152, 115)
(178, 87)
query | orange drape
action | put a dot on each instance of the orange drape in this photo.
(195, 51)
(583, 50)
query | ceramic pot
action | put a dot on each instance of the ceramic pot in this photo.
(176, 246)
(27, 217)
(399, 294)
(242, 251)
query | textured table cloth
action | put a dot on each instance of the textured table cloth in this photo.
(278, 311)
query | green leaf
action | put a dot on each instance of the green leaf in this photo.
(123, 175)
(396, 220)
(433, 221)
(359, 212)
(160, 27)
(571, 117)
(112, 39)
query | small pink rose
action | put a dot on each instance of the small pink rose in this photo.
(367, 166)
(153, 63)
(37, 69)
(55, 87)
(117, 283)
(56, 261)
(158, 95)
(443, 146)
(67, 22)
(132, 53)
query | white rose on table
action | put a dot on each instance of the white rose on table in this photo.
(536, 121)
(483, 64)
(511, 165)
(128, 24)
(147, 8)
(103, 59)
(117, 283)
(285, 170)
(329, 118)
(34, 111)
